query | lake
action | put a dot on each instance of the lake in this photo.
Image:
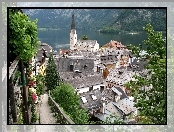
(60, 39)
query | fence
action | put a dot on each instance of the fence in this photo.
(62, 117)
(17, 94)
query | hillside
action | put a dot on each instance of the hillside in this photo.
(61, 18)
(135, 19)
(106, 20)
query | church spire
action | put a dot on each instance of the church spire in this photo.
(73, 23)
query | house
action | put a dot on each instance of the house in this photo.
(120, 58)
(72, 64)
(115, 45)
(91, 100)
(55, 54)
(119, 77)
(86, 45)
(41, 58)
(63, 52)
(103, 103)
(82, 82)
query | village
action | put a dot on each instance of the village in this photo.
(100, 74)
(97, 74)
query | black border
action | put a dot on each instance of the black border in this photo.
(78, 8)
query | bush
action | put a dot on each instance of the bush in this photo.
(40, 84)
(67, 98)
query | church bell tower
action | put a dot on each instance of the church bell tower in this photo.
(73, 35)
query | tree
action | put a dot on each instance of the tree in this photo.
(84, 37)
(151, 103)
(23, 41)
(67, 98)
(52, 77)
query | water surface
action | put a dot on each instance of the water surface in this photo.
(60, 39)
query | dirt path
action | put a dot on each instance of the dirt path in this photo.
(46, 116)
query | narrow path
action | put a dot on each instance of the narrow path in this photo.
(46, 116)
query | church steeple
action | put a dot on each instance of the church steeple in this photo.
(73, 23)
(73, 35)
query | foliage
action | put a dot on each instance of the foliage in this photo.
(17, 75)
(22, 35)
(128, 18)
(67, 98)
(95, 19)
(52, 76)
(29, 98)
(40, 84)
(115, 118)
(32, 96)
(34, 117)
(151, 103)
(84, 37)
(20, 116)
(110, 30)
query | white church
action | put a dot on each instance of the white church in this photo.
(81, 45)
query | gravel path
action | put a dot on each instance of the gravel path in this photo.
(46, 116)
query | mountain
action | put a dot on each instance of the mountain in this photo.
(100, 19)
(61, 18)
(136, 19)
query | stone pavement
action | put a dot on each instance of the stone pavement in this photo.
(46, 116)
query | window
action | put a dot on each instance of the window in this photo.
(101, 88)
(90, 88)
(85, 66)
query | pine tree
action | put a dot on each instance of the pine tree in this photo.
(52, 76)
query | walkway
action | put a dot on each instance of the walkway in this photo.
(46, 116)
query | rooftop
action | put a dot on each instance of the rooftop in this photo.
(81, 80)
(93, 99)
